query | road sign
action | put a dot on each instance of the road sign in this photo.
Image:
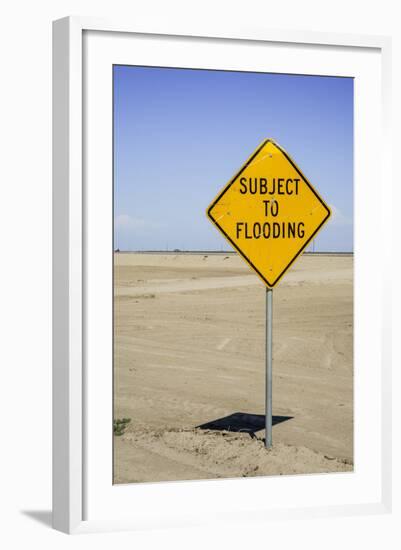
(269, 212)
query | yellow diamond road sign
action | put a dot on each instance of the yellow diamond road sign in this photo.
(269, 212)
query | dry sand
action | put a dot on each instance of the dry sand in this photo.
(189, 351)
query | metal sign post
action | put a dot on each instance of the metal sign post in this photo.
(269, 369)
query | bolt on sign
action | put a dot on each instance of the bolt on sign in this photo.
(269, 212)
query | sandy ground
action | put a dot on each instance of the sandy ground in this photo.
(189, 367)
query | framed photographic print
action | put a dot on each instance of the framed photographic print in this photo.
(220, 342)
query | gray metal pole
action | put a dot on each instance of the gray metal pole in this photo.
(269, 368)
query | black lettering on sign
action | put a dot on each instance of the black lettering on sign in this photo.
(268, 230)
(271, 207)
(269, 186)
(288, 229)
(301, 232)
(239, 228)
(291, 229)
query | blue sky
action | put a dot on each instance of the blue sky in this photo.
(180, 135)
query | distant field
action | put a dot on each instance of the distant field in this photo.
(219, 252)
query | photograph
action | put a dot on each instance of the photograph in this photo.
(200, 319)
(230, 187)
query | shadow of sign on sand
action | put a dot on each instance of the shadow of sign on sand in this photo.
(242, 422)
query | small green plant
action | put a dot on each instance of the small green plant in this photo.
(119, 425)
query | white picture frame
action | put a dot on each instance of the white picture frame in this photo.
(74, 434)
